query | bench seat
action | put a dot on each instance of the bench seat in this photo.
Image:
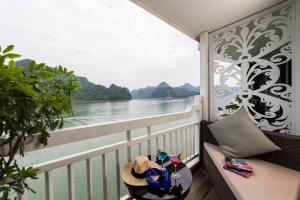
(268, 182)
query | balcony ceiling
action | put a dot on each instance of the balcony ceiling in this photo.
(195, 16)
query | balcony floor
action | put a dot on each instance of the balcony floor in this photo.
(202, 188)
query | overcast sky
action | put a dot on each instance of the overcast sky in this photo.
(108, 41)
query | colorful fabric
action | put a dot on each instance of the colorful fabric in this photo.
(164, 180)
(238, 166)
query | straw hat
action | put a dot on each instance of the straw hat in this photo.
(133, 173)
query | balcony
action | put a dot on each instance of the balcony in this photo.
(183, 137)
(258, 75)
(95, 173)
(99, 168)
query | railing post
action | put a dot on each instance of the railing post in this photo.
(140, 148)
(104, 182)
(157, 145)
(176, 142)
(200, 143)
(191, 140)
(149, 141)
(171, 143)
(48, 185)
(128, 138)
(71, 191)
(89, 179)
(181, 142)
(164, 142)
(186, 144)
(118, 174)
(194, 139)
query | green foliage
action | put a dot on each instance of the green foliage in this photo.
(91, 92)
(32, 100)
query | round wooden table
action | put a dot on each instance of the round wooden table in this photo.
(179, 189)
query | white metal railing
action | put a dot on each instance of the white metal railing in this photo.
(183, 138)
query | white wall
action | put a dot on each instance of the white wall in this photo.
(297, 69)
(204, 75)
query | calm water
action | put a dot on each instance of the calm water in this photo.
(95, 112)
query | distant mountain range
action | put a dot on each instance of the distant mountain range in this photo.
(164, 90)
(90, 91)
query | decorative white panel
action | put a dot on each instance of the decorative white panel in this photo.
(251, 66)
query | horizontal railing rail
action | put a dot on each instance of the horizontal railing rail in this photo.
(56, 163)
(182, 138)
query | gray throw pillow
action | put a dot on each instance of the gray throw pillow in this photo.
(239, 137)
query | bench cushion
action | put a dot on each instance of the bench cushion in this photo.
(268, 182)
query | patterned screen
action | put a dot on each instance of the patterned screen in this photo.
(251, 66)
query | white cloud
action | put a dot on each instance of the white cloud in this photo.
(108, 41)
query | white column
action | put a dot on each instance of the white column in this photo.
(204, 74)
(297, 69)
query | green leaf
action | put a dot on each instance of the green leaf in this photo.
(12, 64)
(31, 66)
(60, 68)
(12, 55)
(70, 73)
(45, 75)
(61, 124)
(54, 125)
(40, 66)
(8, 48)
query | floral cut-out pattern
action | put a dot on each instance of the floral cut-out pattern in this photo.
(252, 66)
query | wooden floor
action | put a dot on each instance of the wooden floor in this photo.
(202, 188)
